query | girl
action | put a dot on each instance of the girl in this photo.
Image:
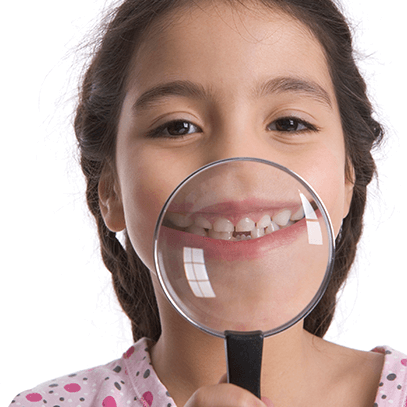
(173, 86)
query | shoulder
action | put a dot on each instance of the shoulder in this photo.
(109, 385)
(83, 388)
(392, 388)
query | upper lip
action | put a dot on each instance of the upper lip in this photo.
(234, 208)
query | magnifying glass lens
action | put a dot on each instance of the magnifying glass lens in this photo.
(243, 245)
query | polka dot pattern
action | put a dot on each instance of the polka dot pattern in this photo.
(109, 402)
(72, 388)
(129, 381)
(392, 390)
(33, 397)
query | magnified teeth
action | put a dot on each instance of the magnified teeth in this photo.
(179, 220)
(239, 238)
(273, 227)
(196, 230)
(223, 225)
(224, 229)
(264, 222)
(245, 225)
(282, 218)
(257, 233)
(220, 235)
(203, 223)
(298, 215)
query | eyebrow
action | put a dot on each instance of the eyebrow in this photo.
(190, 89)
(294, 85)
(175, 88)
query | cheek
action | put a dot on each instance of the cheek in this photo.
(142, 205)
(328, 180)
(144, 193)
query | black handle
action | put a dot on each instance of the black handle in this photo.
(243, 357)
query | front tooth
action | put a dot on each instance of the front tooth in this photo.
(203, 223)
(220, 235)
(196, 230)
(264, 222)
(257, 233)
(272, 228)
(245, 225)
(223, 225)
(179, 220)
(282, 217)
(298, 215)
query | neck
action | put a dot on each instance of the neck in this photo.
(186, 358)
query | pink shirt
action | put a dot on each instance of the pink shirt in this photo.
(131, 381)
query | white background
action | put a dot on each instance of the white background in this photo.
(58, 310)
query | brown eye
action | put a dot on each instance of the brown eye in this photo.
(180, 128)
(175, 128)
(287, 125)
(291, 124)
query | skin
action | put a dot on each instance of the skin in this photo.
(229, 53)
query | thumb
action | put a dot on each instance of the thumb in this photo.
(265, 400)
(223, 379)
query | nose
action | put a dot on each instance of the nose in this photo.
(237, 179)
(242, 142)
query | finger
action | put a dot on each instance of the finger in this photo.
(267, 401)
(223, 379)
(224, 395)
(264, 399)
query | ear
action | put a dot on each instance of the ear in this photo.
(349, 187)
(110, 201)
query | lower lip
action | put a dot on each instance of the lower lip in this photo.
(218, 249)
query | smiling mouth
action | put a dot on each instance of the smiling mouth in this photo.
(234, 228)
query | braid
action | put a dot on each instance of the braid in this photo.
(131, 278)
(319, 320)
(132, 284)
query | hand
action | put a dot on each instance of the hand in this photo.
(225, 394)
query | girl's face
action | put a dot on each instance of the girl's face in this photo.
(219, 82)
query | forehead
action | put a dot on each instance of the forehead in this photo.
(224, 45)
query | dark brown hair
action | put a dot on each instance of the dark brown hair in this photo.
(100, 101)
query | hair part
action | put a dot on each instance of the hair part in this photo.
(97, 115)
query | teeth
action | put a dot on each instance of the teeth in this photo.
(223, 225)
(255, 233)
(282, 218)
(264, 222)
(196, 230)
(245, 229)
(298, 215)
(203, 223)
(245, 225)
(272, 228)
(179, 220)
(220, 235)
(242, 237)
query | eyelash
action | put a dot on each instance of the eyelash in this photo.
(292, 121)
(162, 131)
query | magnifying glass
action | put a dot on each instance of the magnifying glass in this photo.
(243, 249)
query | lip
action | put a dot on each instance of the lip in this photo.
(218, 249)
